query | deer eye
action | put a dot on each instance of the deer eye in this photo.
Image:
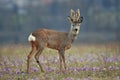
(78, 24)
(73, 24)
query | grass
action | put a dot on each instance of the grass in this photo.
(84, 62)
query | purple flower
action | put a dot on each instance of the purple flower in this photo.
(7, 69)
(69, 78)
(71, 69)
(19, 71)
(49, 69)
(95, 69)
(111, 59)
(77, 69)
(84, 68)
(113, 67)
(35, 69)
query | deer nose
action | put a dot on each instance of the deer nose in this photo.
(76, 29)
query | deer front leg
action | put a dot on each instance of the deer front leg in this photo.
(62, 58)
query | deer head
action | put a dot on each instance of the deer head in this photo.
(75, 20)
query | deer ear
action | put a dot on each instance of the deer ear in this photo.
(81, 19)
(72, 12)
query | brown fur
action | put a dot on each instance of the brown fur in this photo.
(51, 38)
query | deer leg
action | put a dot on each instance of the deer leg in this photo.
(62, 52)
(63, 58)
(37, 58)
(60, 59)
(30, 56)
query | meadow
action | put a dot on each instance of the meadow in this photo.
(84, 62)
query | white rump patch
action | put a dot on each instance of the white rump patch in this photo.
(31, 37)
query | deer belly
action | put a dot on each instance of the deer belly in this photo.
(53, 45)
(57, 46)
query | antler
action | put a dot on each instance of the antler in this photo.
(74, 16)
(78, 14)
(72, 13)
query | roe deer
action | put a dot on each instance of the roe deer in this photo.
(60, 41)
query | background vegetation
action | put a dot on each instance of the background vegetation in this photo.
(18, 18)
(84, 62)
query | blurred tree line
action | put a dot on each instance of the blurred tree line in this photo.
(20, 17)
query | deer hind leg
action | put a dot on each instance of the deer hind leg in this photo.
(34, 47)
(37, 57)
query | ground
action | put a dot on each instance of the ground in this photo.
(84, 62)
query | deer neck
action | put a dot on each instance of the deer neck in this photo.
(72, 36)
